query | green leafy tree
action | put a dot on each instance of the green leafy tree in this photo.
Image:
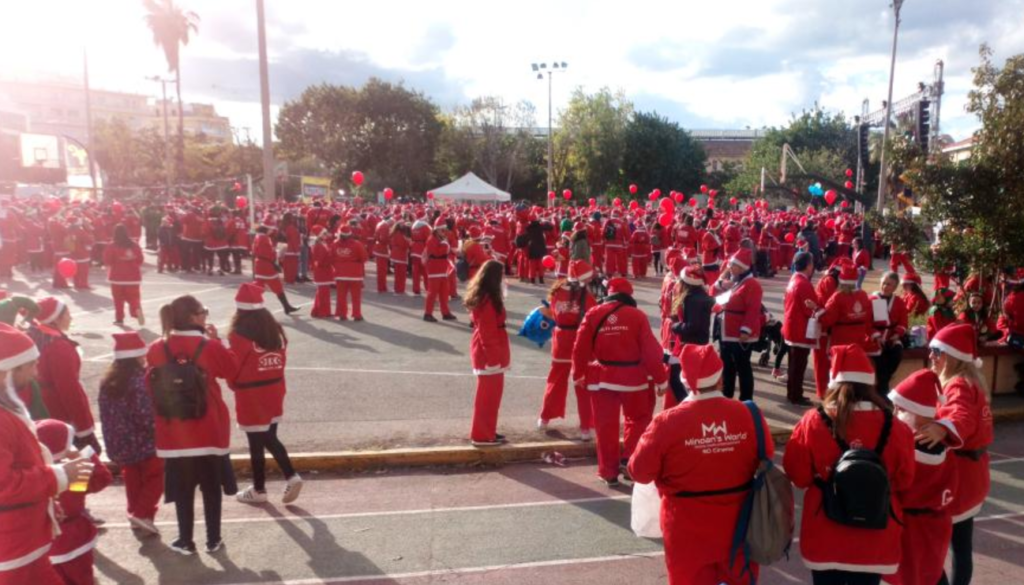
(590, 141)
(172, 26)
(660, 154)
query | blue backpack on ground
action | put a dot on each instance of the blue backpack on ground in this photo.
(537, 328)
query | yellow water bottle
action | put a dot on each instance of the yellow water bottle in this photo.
(82, 486)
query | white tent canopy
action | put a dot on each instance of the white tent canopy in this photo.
(470, 187)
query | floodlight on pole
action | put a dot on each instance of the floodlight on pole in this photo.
(555, 66)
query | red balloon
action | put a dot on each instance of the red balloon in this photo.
(548, 262)
(551, 195)
(652, 196)
(633, 189)
(831, 224)
(848, 184)
(665, 219)
(117, 207)
(810, 210)
(713, 193)
(849, 173)
(733, 201)
(241, 202)
(844, 204)
(679, 198)
(703, 188)
(388, 194)
(430, 194)
(236, 187)
(67, 267)
(617, 202)
(357, 178)
(711, 203)
(634, 204)
(749, 208)
(830, 196)
(592, 201)
(567, 194)
(693, 202)
(667, 204)
(657, 193)
(790, 238)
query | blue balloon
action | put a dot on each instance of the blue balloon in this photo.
(537, 328)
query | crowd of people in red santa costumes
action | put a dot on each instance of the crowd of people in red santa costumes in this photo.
(711, 263)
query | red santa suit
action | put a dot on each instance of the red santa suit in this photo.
(595, 237)
(892, 330)
(238, 238)
(490, 356)
(399, 255)
(81, 253)
(292, 251)
(616, 248)
(475, 254)
(58, 370)
(215, 244)
(710, 254)
(568, 306)
(500, 245)
(59, 241)
(124, 273)
(640, 251)
(264, 259)
(381, 253)
(437, 266)
(618, 358)
(323, 275)
(743, 313)
(349, 271)
(685, 236)
(1012, 319)
(259, 386)
(731, 236)
(706, 443)
(420, 234)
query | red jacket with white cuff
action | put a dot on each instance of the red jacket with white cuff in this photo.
(264, 258)
(797, 313)
(78, 534)
(58, 371)
(968, 417)
(565, 310)
(743, 310)
(211, 434)
(259, 386)
(349, 260)
(892, 330)
(435, 258)
(848, 319)
(624, 352)
(323, 264)
(124, 265)
(488, 346)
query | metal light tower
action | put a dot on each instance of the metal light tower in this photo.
(882, 185)
(539, 69)
(268, 140)
(167, 151)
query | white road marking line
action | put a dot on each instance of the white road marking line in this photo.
(399, 512)
(144, 301)
(405, 372)
(1010, 460)
(466, 570)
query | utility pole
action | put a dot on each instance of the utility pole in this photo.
(88, 122)
(268, 141)
(555, 66)
(167, 132)
(882, 184)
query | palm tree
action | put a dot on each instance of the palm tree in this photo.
(171, 25)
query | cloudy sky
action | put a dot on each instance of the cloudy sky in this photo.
(718, 64)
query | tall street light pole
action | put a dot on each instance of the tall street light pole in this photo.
(268, 141)
(167, 151)
(882, 184)
(539, 68)
(88, 123)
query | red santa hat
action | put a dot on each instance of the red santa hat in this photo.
(1016, 278)
(475, 233)
(128, 345)
(16, 348)
(850, 364)
(49, 309)
(848, 275)
(701, 366)
(958, 341)
(742, 258)
(580, 270)
(911, 277)
(619, 285)
(56, 436)
(249, 297)
(317, 231)
(345, 230)
(442, 222)
(919, 393)
(693, 276)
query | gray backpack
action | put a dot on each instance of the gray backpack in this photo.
(765, 526)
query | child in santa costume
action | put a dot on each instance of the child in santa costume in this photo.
(702, 489)
(488, 349)
(71, 553)
(126, 412)
(569, 301)
(474, 251)
(976, 314)
(323, 272)
(852, 414)
(29, 481)
(913, 297)
(618, 358)
(349, 271)
(195, 450)
(59, 368)
(123, 259)
(963, 422)
(942, 313)
(927, 524)
(260, 347)
(437, 266)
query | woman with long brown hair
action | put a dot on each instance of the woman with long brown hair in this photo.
(691, 325)
(488, 350)
(261, 348)
(194, 442)
(853, 414)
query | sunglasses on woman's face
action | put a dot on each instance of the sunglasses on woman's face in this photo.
(203, 312)
(934, 352)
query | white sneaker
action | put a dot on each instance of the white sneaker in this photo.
(586, 435)
(143, 524)
(250, 496)
(542, 424)
(292, 489)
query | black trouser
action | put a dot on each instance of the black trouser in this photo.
(886, 365)
(267, 440)
(236, 258)
(783, 350)
(845, 578)
(797, 370)
(963, 553)
(204, 473)
(736, 362)
(657, 262)
(675, 382)
(36, 261)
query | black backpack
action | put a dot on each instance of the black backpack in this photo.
(858, 492)
(609, 231)
(179, 386)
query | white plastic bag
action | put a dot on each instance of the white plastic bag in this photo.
(645, 514)
(813, 329)
(880, 308)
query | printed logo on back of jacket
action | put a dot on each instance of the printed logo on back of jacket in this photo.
(715, 438)
(270, 361)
